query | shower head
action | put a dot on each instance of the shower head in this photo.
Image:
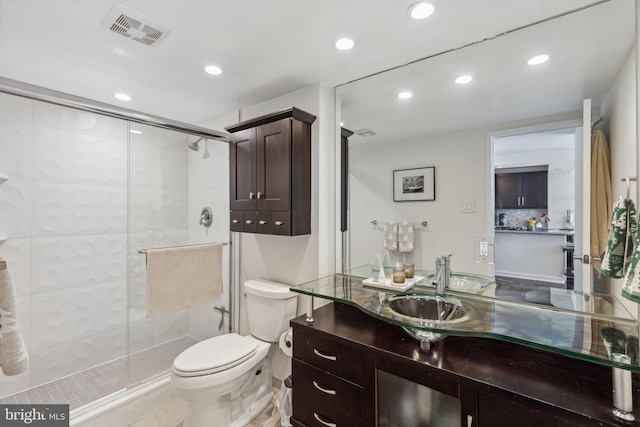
(194, 145)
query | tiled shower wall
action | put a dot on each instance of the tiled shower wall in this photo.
(67, 213)
(64, 211)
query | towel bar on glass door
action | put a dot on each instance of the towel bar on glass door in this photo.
(144, 251)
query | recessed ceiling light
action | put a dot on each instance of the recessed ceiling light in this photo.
(463, 79)
(135, 131)
(405, 95)
(539, 59)
(213, 69)
(345, 44)
(421, 10)
(122, 97)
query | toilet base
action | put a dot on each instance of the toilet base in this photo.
(235, 409)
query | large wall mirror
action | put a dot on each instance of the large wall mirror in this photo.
(510, 114)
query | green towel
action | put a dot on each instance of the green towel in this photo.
(631, 284)
(621, 239)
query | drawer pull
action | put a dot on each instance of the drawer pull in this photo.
(324, 390)
(259, 195)
(251, 194)
(263, 222)
(328, 424)
(235, 221)
(325, 356)
(248, 222)
(278, 223)
(469, 421)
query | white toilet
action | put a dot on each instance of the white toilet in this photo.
(227, 380)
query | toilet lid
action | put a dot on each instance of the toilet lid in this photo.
(214, 355)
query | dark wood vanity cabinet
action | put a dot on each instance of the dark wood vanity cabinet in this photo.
(350, 369)
(270, 173)
(522, 190)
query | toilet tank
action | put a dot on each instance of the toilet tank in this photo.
(270, 307)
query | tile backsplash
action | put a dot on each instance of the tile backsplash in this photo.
(519, 217)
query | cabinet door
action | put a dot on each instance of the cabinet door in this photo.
(242, 169)
(507, 191)
(273, 165)
(498, 412)
(533, 189)
(410, 397)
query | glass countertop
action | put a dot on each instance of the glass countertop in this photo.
(585, 326)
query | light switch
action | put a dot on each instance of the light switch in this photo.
(468, 206)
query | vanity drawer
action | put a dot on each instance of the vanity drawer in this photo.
(329, 355)
(320, 397)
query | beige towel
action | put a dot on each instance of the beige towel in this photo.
(601, 205)
(14, 358)
(183, 277)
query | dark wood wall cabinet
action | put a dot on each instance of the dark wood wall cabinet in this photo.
(350, 369)
(522, 190)
(270, 173)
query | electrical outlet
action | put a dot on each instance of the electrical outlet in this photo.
(484, 248)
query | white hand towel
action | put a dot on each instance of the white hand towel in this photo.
(14, 358)
(406, 237)
(391, 236)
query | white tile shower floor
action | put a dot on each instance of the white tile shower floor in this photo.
(95, 383)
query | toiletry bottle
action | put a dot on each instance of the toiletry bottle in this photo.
(386, 264)
(377, 265)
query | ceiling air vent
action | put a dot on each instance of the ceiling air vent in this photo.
(365, 133)
(131, 24)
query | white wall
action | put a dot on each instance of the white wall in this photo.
(298, 259)
(459, 159)
(619, 110)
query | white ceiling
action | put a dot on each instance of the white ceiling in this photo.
(586, 48)
(266, 48)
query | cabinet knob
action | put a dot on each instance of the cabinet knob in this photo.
(259, 195)
(262, 222)
(278, 223)
(248, 222)
(251, 194)
(235, 221)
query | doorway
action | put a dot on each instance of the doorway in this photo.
(534, 241)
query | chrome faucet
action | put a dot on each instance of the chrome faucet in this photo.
(443, 274)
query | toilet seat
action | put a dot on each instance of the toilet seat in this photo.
(214, 355)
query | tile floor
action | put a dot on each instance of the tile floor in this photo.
(87, 386)
(172, 415)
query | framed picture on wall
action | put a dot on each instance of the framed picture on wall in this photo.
(410, 185)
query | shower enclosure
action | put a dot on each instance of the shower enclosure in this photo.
(86, 192)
